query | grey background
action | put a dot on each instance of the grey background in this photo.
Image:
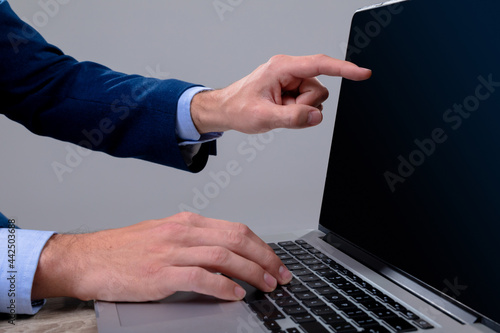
(281, 187)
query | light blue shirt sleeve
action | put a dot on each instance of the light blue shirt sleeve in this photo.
(186, 131)
(19, 254)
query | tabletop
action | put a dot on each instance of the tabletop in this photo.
(61, 314)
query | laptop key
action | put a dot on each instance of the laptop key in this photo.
(332, 319)
(400, 325)
(326, 291)
(365, 321)
(344, 328)
(299, 288)
(274, 246)
(319, 267)
(291, 247)
(362, 298)
(255, 295)
(384, 314)
(306, 295)
(298, 252)
(293, 282)
(312, 262)
(353, 292)
(295, 267)
(272, 326)
(343, 284)
(336, 279)
(317, 284)
(266, 310)
(294, 310)
(286, 243)
(373, 305)
(423, 324)
(327, 273)
(302, 272)
(284, 256)
(287, 262)
(344, 305)
(286, 302)
(308, 278)
(364, 284)
(323, 310)
(305, 257)
(303, 318)
(292, 330)
(374, 291)
(376, 329)
(279, 294)
(313, 327)
(355, 313)
(335, 298)
(409, 315)
(399, 307)
(311, 303)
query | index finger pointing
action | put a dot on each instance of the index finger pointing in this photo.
(320, 64)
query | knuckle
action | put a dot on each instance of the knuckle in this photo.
(173, 230)
(235, 238)
(194, 276)
(276, 60)
(270, 257)
(325, 93)
(243, 229)
(218, 256)
(187, 216)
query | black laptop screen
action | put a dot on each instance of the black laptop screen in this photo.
(414, 172)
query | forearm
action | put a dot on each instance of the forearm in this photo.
(85, 103)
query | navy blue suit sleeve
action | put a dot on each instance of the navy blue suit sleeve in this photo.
(54, 95)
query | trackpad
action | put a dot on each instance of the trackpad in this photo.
(180, 308)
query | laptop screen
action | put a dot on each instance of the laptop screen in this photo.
(414, 171)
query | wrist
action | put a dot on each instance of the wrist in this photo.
(206, 112)
(58, 268)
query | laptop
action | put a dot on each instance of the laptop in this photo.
(408, 237)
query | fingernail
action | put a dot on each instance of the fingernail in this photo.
(239, 292)
(270, 281)
(285, 274)
(314, 118)
(369, 71)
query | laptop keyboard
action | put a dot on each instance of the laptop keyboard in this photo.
(323, 296)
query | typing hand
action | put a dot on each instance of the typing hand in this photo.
(153, 259)
(283, 92)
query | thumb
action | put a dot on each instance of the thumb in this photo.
(296, 116)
